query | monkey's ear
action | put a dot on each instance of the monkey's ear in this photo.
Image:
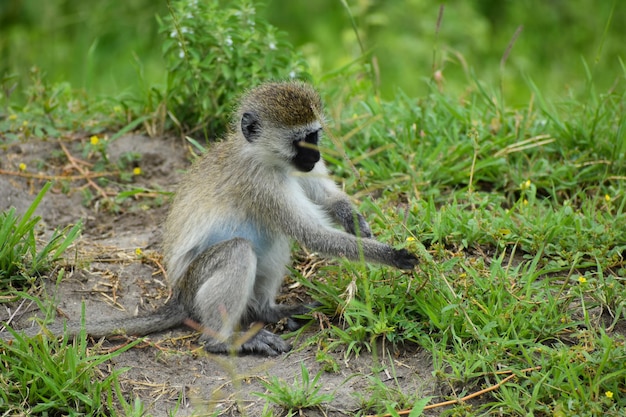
(250, 126)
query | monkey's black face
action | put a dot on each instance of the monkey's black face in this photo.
(307, 152)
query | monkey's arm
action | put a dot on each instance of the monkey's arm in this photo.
(304, 221)
(323, 191)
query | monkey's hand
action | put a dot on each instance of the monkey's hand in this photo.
(363, 228)
(351, 220)
(403, 259)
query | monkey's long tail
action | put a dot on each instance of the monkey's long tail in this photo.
(169, 315)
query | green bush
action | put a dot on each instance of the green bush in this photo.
(213, 52)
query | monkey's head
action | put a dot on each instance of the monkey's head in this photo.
(282, 122)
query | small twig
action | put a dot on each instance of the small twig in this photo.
(73, 162)
(437, 28)
(470, 188)
(507, 51)
(58, 177)
(118, 347)
(155, 260)
(529, 143)
(12, 316)
(467, 397)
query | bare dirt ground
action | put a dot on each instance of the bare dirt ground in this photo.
(168, 371)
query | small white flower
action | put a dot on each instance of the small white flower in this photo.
(173, 34)
(228, 41)
(181, 54)
(185, 30)
(292, 74)
(272, 45)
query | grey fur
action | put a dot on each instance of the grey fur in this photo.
(227, 236)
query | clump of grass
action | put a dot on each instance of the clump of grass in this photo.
(20, 257)
(39, 376)
(303, 393)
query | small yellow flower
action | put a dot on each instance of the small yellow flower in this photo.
(22, 166)
(607, 198)
(609, 394)
(138, 252)
(136, 171)
(410, 239)
(117, 109)
(525, 185)
(525, 202)
(94, 140)
(25, 123)
(13, 117)
(582, 279)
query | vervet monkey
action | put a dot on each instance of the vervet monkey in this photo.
(227, 236)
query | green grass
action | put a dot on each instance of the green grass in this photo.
(519, 218)
(41, 376)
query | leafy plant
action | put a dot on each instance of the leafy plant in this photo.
(327, 362)
(213, 51)
(303, 393)
(20, 258)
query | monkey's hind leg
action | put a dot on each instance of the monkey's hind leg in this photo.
(220, 285)
(273, 313)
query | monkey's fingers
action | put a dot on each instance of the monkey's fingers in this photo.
(294, 323)
(262, 343)
(364, 227)
(265, 343)
(403, 259)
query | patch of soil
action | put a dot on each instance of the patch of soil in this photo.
(168, 371)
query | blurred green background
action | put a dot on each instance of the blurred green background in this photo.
(111, 47)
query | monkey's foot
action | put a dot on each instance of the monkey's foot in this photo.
(294, 323)
(262, 343)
